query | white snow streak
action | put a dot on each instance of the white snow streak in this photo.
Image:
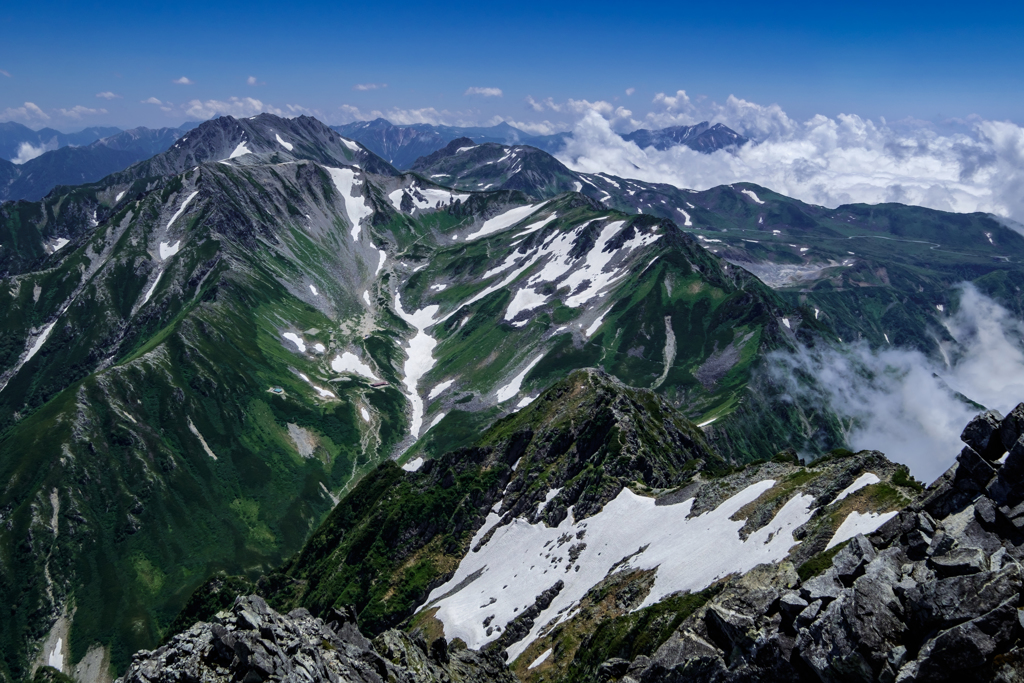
(505, 220)
(420, 360)
(512, 388)
(750, 193)
(287, 145)
(413, 465)
(857, 523)
(863, 480)
(182, 209)
(439, 389)
(355, 207)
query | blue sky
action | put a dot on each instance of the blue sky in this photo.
(894, 60)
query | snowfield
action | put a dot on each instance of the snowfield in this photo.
(521, 559)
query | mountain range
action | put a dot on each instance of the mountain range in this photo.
(71, 164)
(402, 146)
(268, 353)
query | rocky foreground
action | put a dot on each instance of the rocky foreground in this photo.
(251, 642)
(933, 595)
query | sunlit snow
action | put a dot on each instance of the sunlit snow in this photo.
(181, 210)
(863, 480)
(349, 362)
(420, 359)
(167, 250)
(287, 145)
(356, 207)
(505, 220)
(240, 150)
(295, 339)
(857, 523)
(413, 465)
(312, 288)
(750, 193)
(437, 391)
(512, 388)
(521, 559)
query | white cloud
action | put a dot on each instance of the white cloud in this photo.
(234, 106)
(403, 117)
(78, 111)
(107, 95)
(975, 166)
(533, 127)
(184, 80)
(903, 403)
(630, 91)
(620, 117)
(4, 73)
(27, 152)
(369, 86)
(152, 100)
(28, 112)
(486, 92)
(252, 80)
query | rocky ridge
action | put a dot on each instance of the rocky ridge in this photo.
(933, 595)
(251, 642)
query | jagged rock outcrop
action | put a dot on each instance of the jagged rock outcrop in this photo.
(251, 642)
(933, 595)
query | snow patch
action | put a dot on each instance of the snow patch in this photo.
(192, 428)
(523, 402)
(240, 150)
(505, 220)
(365, 413)
(312, 288)
(60, 243)
(118, 197)
(182, 209)
(349, 362)
(750, 193)
(439, 389)
(355, 207)
(863, 480)
(56, 657)
(295, 339)
(547, 653)
(152, 288)
(366, 297)
(287, 145)
(433, 423)
(380, 264)
(167, 250)
(857, 523)
(512, 388)
(413, 465)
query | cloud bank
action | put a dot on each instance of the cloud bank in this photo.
(971, 166)
(905, 404)
(26, 152)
